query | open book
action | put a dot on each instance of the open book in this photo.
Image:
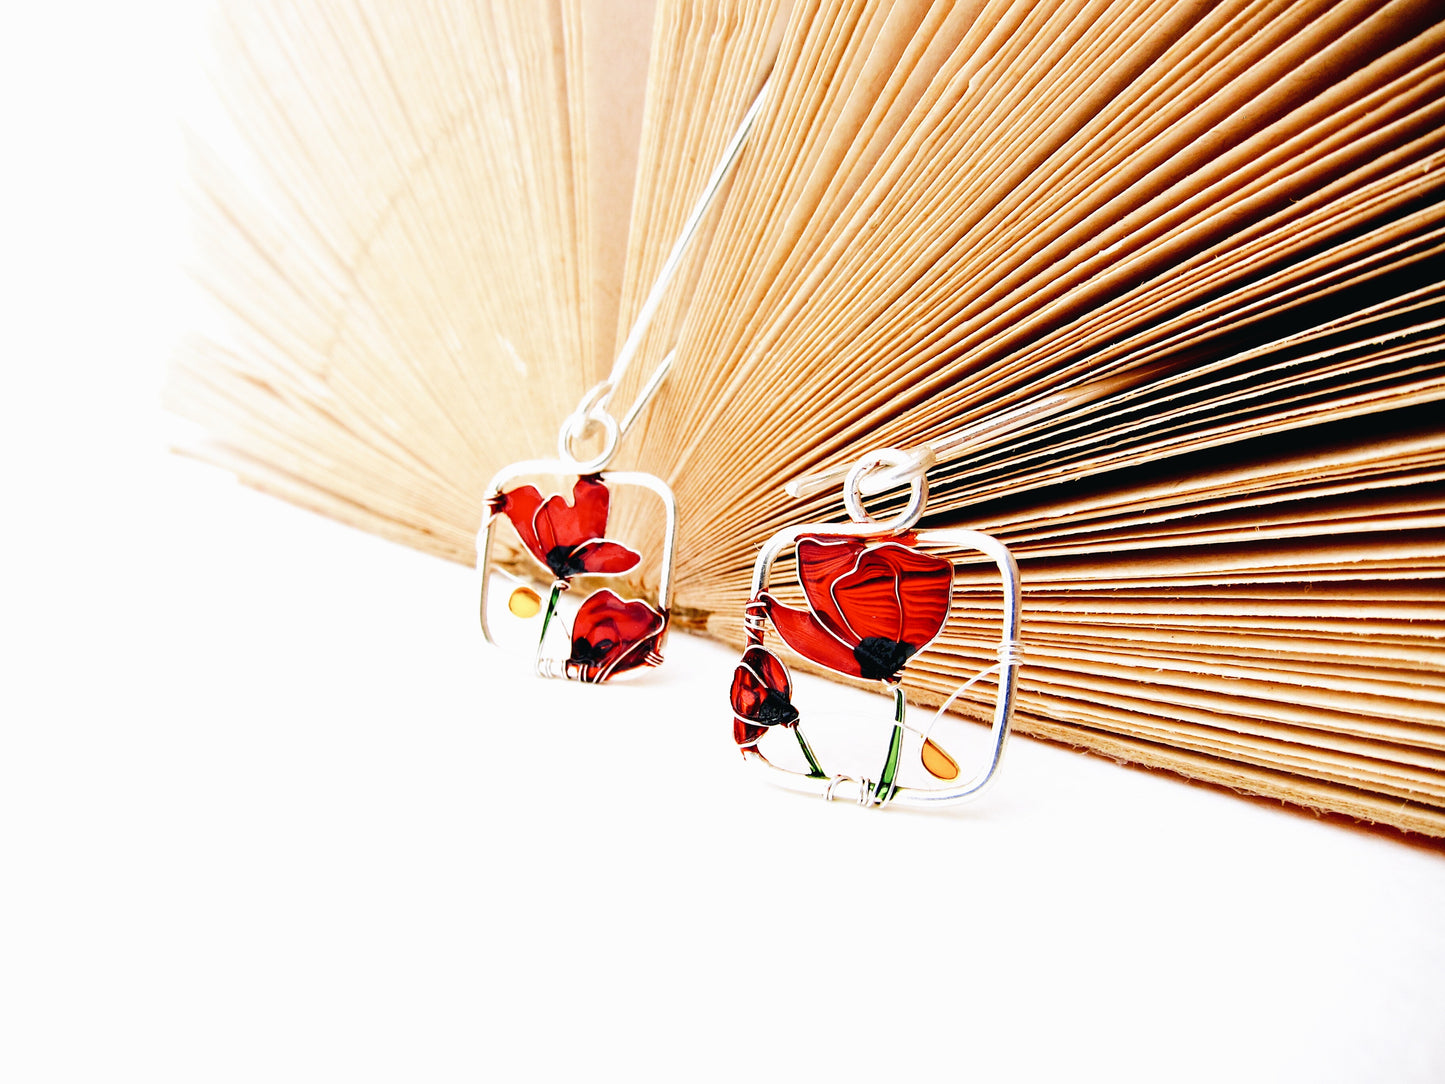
(1175, 268)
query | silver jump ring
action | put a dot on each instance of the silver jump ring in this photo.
(915, 472)
(576, 427)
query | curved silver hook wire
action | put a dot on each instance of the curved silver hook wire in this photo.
(689, 229)
(593, 406)
(984, 432)
(592, 411)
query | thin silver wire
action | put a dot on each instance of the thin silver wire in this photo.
(689, 229)
(592, 409)
(985, 431)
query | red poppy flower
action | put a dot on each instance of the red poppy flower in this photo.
(761, 696)
(567, 538)
(870, 608)
(610, 635)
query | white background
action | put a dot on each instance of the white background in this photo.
(268, 810)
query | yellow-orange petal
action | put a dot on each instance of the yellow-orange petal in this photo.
(939, 764)
(525, 602)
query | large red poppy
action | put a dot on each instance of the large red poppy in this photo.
(761, 696)
(567, 538)
(610, 635)
(870, 608)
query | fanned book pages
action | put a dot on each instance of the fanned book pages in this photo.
(1174, 270)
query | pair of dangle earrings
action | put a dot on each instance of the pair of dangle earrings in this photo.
(877, 592)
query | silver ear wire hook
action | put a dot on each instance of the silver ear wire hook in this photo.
(592, 409)
(987, 431)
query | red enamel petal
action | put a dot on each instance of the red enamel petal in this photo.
(591, 499)
(896, 593)
(770, 669)
(747, 693)
(520, 506)
(601, 556)
(610, 634)
(745, 733)
(760, 673)
(805, 635)
(821, 561)
(760, 695)
(561, 524)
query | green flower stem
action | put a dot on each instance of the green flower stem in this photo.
(814, 771)
(886, 786)
(558, 586)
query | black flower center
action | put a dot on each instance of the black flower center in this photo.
(563, 562)
(880, 659)
(775, 710)
(586, 653)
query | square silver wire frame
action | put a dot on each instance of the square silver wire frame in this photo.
(843, 786)
(568, 468)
